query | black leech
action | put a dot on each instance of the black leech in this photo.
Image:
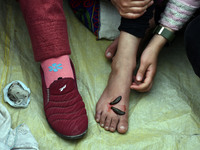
(118, 111)
(117, 100)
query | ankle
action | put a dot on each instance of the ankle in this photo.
(123, 65)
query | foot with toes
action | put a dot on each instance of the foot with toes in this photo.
(113, 106)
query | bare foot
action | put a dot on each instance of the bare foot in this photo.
(119, 83)
(104, 114)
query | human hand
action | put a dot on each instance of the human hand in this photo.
(148, 64)
(132, 9)
(112, 48)
(146, 72)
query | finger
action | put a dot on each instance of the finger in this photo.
(135, 81)
(150, 3)
(141, 72)
(149, 88)
(131, 15)
(134, 10)
(151, 71)
(112, 48)
(147, 83)
(135, 3)
(146, 89)
(143, 86)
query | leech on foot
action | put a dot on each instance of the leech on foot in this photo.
(117, 100)
(118, 111)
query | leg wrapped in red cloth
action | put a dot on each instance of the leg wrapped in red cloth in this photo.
(63, 105)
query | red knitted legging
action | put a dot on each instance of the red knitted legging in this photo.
(47, 27)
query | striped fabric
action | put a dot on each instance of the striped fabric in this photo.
(178, 12)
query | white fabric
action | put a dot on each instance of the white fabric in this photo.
(18, 138)
(23, 103)
(109, 21)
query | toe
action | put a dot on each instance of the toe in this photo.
(102, 119)
(112, 48)
(122, 125)
(113, 124)
(107, 123)
(98, 116)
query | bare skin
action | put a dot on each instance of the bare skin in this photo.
(148, 62)
(112, 48)
(132, 9)
(119, 83)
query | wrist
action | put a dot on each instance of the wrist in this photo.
(157, 43)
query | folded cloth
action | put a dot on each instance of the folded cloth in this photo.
(109, 21)
(18, 138)
(99, 16)
(17, 94)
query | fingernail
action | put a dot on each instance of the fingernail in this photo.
(109, 54)
(139, 78)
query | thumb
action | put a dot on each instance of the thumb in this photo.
(141, 72)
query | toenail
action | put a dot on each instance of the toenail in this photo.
(108, 54)
(102, 124)
(112, 129)
(97, 120)
(106, 128)
(122, 127)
